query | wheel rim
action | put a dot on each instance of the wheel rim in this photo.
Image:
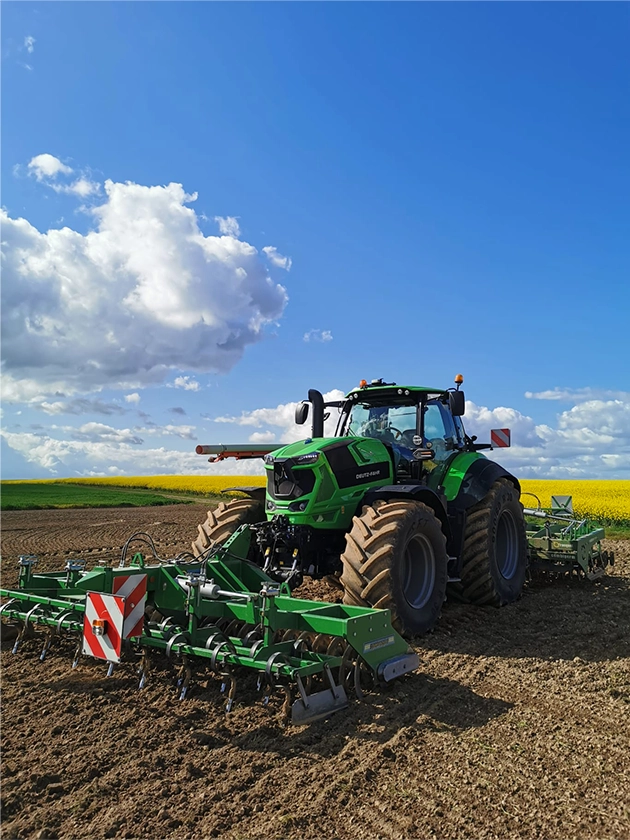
(507, 545)
(419, 576)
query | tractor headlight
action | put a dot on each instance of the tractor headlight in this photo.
(298, 506)
(307, 459)
(268, 459)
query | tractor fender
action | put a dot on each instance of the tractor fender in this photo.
(411, 493)
(256, 493)
(479, 478)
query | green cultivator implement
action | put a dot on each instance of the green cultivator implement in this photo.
(564, 544)
(222, 614)
(400, 510)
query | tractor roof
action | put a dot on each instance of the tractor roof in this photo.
(384, 388)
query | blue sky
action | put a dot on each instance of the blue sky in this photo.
(440, 187)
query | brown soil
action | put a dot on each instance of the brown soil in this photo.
(516, 725)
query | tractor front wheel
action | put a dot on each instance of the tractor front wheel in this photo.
(224, 520)
(395, 558)
(494, 560)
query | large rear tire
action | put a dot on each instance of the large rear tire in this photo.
(224, 520)
(395, 558)
(494, 560)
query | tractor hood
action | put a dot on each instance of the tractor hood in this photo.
(301, 447)
(306, 447)
(322, 467)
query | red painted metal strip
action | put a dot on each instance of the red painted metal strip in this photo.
(500, 437)
(112, 631)
(127, 585)
(90, 639)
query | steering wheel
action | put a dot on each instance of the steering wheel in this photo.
(398, 434)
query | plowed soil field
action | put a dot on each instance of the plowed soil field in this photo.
(516, 725)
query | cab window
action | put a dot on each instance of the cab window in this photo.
(439, 429)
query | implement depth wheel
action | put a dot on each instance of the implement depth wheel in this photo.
(224, 520)
(395, 558)
(494, 562)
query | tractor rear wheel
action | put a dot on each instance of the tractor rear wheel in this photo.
(395, 558)
(494, 558)
(224, 520)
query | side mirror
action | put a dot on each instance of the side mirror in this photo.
(457, 403)
(301, 413)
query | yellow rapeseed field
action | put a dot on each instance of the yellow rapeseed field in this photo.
(606, 501)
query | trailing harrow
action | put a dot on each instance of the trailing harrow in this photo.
(219, 611)
(563, 544)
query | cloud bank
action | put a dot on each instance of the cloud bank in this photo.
(589, 440)
(142, 294)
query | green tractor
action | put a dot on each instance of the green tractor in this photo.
(399, 507)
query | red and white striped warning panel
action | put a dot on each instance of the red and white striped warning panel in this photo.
(111, 618)
(133, 589)
(103, 626)
(500, 437)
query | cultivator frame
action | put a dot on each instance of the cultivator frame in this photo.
(220, 611)
(564, 544)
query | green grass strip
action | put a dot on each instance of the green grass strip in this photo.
(26, 496)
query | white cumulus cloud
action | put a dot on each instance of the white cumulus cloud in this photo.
(262, 437)
(590, 440)
(228, 225)
(82, 187)
(132, 398)
(184, 432)
(29, 44)
(140, 295)
(283, 417)
(47, 166)
(277, 259)
(47, 169)
(318, 335)
(185, 382)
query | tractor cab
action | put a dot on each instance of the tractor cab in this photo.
(421, 427)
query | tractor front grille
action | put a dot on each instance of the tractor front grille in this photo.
(284, 483)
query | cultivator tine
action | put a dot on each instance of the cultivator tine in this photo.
(26, 630)
(46, 648)
(20, 636)
(218, 647)
(178, 638)
(143, 670)
(302, 690)
(185, 678)
(77, 654)
(253, 636)
(110, 669)
(228, 676)
(285, 712)
(346, 665)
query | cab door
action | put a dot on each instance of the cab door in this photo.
(439, 435)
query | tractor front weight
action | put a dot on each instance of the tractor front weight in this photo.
(219, 611)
